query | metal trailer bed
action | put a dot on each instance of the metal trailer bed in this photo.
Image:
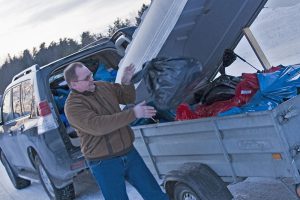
(258, 144)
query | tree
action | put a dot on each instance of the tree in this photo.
(99, 36)
(27, 58)
(87, 38)
(118, 23)
(41, 56)
(138, 19)
(65, 46)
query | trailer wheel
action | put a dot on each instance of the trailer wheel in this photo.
(195, 181)
(18, 182)
(65, 193)
(184, 192)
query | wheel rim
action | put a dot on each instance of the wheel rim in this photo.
(46, 181)
(188, 196)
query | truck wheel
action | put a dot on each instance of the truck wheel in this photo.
(54, 193)
(18, 182)
(184, 192)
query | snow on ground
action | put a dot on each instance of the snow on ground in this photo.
(261, 189)
(86, 189)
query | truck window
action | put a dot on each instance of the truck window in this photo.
(6, 108)
(16, 98)
(27, 97)
(277, 30)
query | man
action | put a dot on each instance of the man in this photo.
(92, 108)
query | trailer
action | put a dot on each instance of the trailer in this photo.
(259, 144)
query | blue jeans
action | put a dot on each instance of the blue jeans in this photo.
(111, 174)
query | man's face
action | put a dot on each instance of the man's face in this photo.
(85, 81)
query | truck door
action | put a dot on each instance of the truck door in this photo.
(26, 125)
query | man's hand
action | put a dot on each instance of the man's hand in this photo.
(127, 75)
(141, 110)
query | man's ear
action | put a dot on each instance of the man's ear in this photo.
(72, 85)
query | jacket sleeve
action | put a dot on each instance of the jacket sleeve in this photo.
(124, 93)
(86, 120)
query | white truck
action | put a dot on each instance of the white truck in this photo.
(197, 157)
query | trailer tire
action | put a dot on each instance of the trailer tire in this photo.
(65, 193)
(184, 192)
(198, 179)
(18, 182)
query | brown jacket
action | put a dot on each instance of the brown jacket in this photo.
(97, 118)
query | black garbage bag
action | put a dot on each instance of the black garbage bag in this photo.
(169, 80)
(221, 89)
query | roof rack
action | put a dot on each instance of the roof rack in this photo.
(28, 70)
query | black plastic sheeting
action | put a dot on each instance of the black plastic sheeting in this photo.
(169, 80)
(221, 89)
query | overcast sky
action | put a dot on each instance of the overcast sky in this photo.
(27, 23)
(277, 30)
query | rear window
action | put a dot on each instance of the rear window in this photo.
(22, 101)
(6, 108)
(27, 97)
(16, 95)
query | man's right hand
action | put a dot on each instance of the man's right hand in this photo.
(141, 110)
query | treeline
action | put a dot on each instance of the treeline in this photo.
(65, 46)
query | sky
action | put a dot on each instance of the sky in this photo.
(28, 23)
(277, 30)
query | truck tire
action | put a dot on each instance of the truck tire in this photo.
(54, 193)
(18, 182)
(184, 192)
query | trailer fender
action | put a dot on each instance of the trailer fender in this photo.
(201, 179)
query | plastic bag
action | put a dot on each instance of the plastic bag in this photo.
(221, 89)
(246, 89)
(275, 88)
(169, 80)
(104, 74)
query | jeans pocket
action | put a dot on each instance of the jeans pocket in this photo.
(94, 163)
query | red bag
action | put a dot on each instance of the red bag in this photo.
(184, 112)
(215, 108)
(246, 89)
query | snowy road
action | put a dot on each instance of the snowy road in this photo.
(86, 189)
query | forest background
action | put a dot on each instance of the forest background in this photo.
(45, 54)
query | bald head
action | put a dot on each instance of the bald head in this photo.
(70, 72)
